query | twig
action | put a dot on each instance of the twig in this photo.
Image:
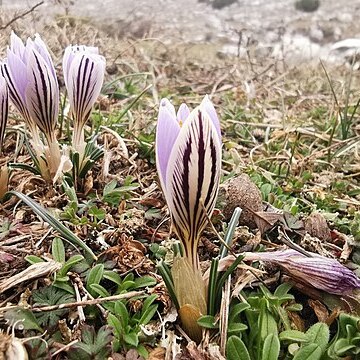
(80, 303)
(20, 16)
(64, 348)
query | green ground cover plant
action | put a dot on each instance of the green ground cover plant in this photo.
(106, 257)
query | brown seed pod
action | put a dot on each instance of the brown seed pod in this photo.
(315, 225)
(241, 192)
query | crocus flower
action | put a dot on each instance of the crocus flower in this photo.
(32, 82)
(4, 104)
(318, 271)
(188, 159)
(84, 72)
(34, 90)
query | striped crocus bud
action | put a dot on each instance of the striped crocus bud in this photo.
(33, 86)
(84, 72)
(188, 159)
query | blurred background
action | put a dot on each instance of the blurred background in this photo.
(291, 30)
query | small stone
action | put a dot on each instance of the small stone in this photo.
(307, 5)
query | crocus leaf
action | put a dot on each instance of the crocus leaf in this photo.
(55, 223)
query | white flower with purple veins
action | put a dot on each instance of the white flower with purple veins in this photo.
(4, 105)
(188, 159)
(84, 72)
(32, 83)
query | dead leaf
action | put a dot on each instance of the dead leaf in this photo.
(320, 310)
(266, 220)
(157, 354)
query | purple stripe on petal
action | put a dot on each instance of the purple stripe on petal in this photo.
(42, 94)
(84, 82)
(166, 133)
(322, 273)
(3, 109)
(18, 73)
(192, 179)
(41, 48)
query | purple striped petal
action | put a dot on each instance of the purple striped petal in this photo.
(27, 85)
(69, 56)
(41, 48)
(192, 179)
(167, 131)
(208, 106)
(4, 101)
(42, 94)
(322, 273)
(85, 77)
(18, 73)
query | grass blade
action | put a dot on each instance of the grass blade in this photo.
(55, 223)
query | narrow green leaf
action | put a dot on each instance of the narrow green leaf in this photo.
(144, 281)
(212, 289)
(55, 223)
(293, 336)
(99, 290)
(148, 314)
(319, 334)
(131, 339)
(236, 327)
(115, 323)
(309, 352)
(71, 262)
(32, 259)
(148, 301)
(233, 223)
(95, 275)
(166, 275)
(208, 322)
(236, 349)
(122, 313)
(271, 348)
(112, 276)
(58, 250)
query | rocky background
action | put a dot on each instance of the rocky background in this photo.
(285, 29)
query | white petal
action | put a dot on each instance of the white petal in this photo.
(42, 94)
(85, 79)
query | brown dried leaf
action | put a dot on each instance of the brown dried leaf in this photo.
(157, 354)
(32, 272)
(266, 220)
(320, 310)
